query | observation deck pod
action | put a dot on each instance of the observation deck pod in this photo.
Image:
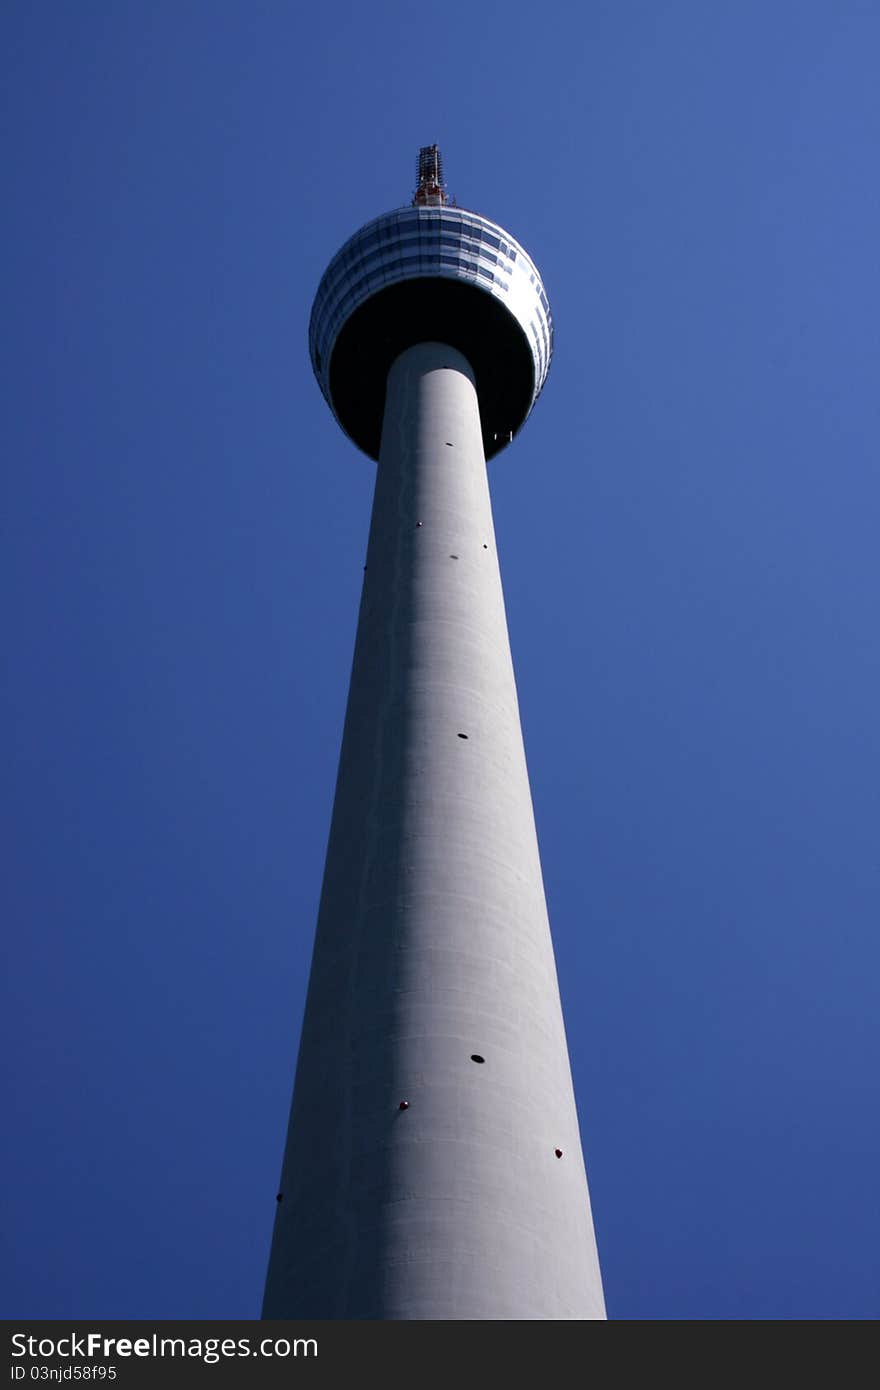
(431, 273)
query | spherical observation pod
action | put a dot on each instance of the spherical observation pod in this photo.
(431, 274)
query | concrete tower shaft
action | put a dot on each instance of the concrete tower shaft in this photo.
(433, 1167)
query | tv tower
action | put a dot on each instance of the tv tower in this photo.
(433, 1166)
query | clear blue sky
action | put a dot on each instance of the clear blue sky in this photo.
(688, 530)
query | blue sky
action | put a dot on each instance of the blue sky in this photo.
(688, 534)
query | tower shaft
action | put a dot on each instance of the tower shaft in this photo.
(418, 1181)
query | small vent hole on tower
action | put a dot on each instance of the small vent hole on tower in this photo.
(418, 524)
(448, 445)
(404, 1105)
(475, 1057)
(485, 547)
(463, 736)
(558, 1153)
(453, 557)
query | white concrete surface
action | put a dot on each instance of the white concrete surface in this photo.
(433, 942)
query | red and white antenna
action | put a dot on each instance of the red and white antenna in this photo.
(431, 190)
